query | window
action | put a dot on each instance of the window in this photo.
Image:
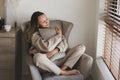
(111, 54)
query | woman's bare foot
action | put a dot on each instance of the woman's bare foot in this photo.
(64, 67)
(70, 72)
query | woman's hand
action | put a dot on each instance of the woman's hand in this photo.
(53, 52)
(59, 32)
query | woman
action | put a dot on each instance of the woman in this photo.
(42, 52)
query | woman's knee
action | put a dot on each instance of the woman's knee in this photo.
(80, 48)
(40, 58)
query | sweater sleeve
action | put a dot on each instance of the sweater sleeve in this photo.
(63, 45)
(43, 45)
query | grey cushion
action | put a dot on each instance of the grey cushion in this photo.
(50, 76)
(47, 33)
(55, 23)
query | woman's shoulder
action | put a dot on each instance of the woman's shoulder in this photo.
(35, 35)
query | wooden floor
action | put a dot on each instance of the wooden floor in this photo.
(7, 67)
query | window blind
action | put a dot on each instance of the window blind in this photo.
(112, 37)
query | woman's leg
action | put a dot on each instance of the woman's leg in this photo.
(73, 56)
(44, 63)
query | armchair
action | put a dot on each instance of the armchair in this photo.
(25, 68)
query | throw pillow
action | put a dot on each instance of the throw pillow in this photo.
(47, 33)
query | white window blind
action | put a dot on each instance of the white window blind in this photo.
(112, 37)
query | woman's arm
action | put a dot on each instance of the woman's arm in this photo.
(63, 45)
(45, 46)
(52, 53)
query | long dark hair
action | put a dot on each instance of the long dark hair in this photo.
(33, 27)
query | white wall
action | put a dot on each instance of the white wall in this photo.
(81, 12)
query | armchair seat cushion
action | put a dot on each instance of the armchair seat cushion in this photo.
(50, 76)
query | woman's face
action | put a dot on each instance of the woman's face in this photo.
(43, 21)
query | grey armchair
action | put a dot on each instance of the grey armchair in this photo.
(25, 68)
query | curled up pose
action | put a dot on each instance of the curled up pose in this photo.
(49, 54)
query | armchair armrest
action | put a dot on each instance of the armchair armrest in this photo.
(85, 65)
(35, 73)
